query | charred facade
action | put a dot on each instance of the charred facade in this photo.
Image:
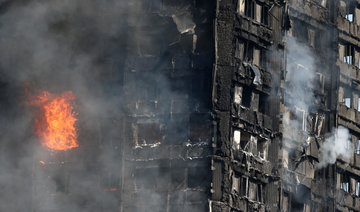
(279, 95)
(221, 106)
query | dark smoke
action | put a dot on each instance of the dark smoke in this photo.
(82, 46)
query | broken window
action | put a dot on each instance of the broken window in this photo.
(252, 146)
(148, 133)
(239, 185)
(345, 182)
(200, 127)
(264, 106)
(254, 191)
(357, 188)
(320, 81)
(244, 139)
(238, 94)
(243, 186)
(262, 148)
(246, 96)
(248, 53)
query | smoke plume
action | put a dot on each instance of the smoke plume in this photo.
(299, 97)
(336, 146)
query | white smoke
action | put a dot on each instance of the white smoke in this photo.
(337, 145)
(299, 96)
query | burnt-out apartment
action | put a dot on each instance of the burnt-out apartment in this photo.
(187, 105)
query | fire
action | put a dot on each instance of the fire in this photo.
(55, 122)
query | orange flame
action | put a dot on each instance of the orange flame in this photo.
(55, 124)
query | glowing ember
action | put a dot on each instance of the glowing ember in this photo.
(55, 123)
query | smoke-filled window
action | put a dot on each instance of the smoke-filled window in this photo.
(311, 37)
(285, 202)
(237, 94)
(151, 6)
(255, 191)
(301, 116)
(110, 181)
(200, 127)
(236, 139)
(235, 184)
(148, 133)
(198, 177)
(262, 148)
(319, 81)
(239, 51)
(358, 147)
